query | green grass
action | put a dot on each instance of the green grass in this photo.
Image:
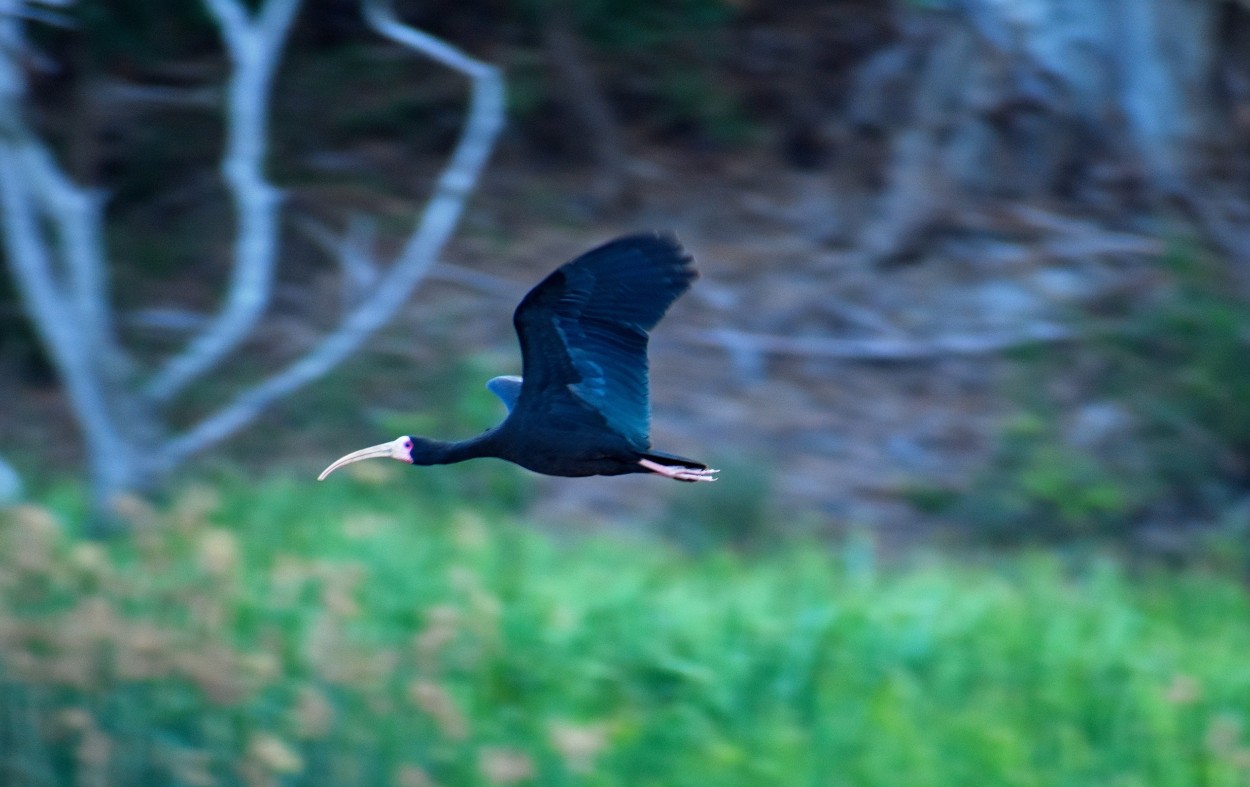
(360, 631)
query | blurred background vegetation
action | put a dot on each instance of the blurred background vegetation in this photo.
(942, 551)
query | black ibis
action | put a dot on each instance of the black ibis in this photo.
(581, 406)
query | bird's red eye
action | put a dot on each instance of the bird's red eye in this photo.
(407, 444)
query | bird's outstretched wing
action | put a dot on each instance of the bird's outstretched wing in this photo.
(583, 331)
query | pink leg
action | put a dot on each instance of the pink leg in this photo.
(678, 472)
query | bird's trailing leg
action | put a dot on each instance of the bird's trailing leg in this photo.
(678, 472)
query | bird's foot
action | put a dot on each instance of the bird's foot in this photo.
(679, 472)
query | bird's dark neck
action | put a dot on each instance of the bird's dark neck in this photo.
(447, 453)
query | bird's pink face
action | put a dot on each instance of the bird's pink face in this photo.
(400, 448)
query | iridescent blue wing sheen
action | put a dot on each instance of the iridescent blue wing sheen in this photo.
(507, 388)
(583, 333)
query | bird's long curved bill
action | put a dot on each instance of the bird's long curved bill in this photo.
(372, 452)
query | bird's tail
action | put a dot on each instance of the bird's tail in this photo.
(672, 459)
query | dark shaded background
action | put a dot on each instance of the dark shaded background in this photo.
(969, 347)
(955, 271)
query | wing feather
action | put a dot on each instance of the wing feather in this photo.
(583, 332)
(507, 388)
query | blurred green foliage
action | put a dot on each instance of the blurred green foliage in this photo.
(365, 631)
(1167, 436)
(737, 515)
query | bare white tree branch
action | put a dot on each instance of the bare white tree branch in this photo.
(172, 320)
(53, 240)
(41, 15)
(353, 251)
(72, 316)
(881, 348)
(485, 119)
(485, 283)
(254, 47)
(77, 214)
(52, 313)
(120, 91)
(10, 483)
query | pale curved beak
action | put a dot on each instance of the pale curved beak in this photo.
(395, 449)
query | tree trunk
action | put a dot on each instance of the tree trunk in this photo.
(53, 242)
(1052, 98)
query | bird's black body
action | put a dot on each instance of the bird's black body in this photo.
(546, 454)
(582, 405)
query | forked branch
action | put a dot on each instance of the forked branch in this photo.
(485, 119)
(53, 239)
(254, 44)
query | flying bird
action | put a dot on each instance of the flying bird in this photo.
(581, 406)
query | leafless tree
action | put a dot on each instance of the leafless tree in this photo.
(54, 243)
